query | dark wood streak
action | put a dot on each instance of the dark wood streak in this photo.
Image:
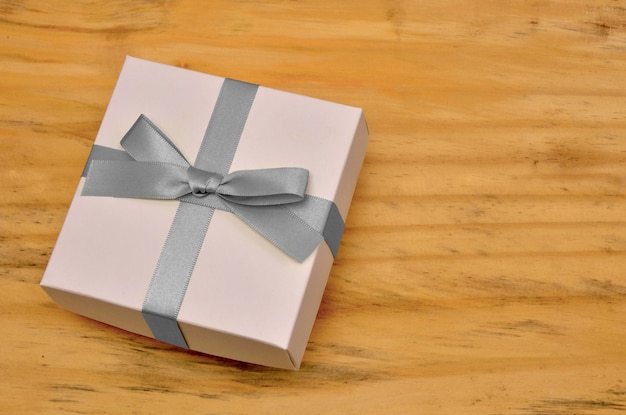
(573, 406)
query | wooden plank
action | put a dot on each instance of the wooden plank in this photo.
(483, 266)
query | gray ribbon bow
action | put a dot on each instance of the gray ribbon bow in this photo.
(271, 201)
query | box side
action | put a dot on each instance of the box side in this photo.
(233, 346)
(320, 273)
(205, 340)
(115, 315)
(309, 306)
(352, 165)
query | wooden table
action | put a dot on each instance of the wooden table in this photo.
(483, 269)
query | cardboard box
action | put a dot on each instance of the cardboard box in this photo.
(245, 299)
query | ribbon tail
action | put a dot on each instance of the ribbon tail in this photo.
(295, 228)
(285, 230)
(322, 215)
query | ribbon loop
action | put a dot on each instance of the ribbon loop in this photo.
(265, 187)
(202, 182)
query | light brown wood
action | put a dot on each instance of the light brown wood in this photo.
(483, 269)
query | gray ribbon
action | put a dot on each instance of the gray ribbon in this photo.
(271, 201)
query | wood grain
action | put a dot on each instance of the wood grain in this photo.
(483, 269)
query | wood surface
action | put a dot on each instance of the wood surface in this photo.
(483, 269)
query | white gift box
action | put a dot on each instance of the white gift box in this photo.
(245, 299)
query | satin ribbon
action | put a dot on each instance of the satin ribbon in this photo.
(270, 201)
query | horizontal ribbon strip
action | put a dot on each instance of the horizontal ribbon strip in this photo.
(271, 201)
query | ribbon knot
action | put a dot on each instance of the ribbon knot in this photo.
(201, 182)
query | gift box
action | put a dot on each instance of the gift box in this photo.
(209, 213)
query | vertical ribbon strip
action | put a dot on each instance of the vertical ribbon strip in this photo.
(184, 240)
